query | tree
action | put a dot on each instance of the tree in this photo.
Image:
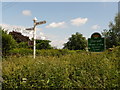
(76, 42)
(19, 37)
(112, 36)
(43, 44)
(8, 42)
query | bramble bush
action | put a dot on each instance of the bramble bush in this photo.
(76, 70)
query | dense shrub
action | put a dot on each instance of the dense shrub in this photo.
(76, 70)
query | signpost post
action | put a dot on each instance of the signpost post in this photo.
(96, 43)
(34, 33)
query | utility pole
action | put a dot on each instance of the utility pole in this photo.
(34, 34)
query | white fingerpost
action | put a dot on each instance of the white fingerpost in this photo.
(34, 37)
(34, 34)
(34, 40)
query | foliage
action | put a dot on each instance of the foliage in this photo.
(79, 70)
(23, 45)
(50, 52)
(20, 52)
(19, 37)
(43, 44)
(76, 42)
(8, 42)
(112, 35)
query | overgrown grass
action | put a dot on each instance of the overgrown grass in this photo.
(76, 70)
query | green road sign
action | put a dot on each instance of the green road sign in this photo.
(96, 43)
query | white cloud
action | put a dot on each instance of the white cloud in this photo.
(58, 43)
(55, 25)
(41, 36)
(26, 12)
(10, 28)
(95, 27)
(17, 28)
(22, 30)
(79, 21)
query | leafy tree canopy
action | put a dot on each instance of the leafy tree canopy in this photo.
(112, 35)
(76, 42)
(8, 42)
(43, 44)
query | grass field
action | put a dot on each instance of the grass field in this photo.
(73, 70)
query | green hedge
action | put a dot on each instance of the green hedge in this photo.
(49, 52)
(20, 51)
(76, 70)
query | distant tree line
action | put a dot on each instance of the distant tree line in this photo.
(75, 42)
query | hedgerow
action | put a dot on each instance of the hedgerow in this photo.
(76, 70)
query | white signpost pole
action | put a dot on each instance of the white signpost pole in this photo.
(34, 37)
(34, 42)
(34, 34)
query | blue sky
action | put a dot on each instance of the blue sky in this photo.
(63, 18)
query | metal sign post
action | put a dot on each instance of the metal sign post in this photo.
(34, 34)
